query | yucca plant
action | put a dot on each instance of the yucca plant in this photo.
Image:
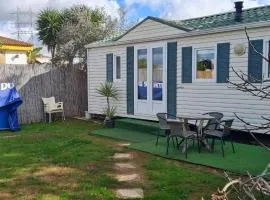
(49, 23)
(109, 91)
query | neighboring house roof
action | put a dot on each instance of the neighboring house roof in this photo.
(9, 44)
(43, 59)
(251, 15)
(9, 41)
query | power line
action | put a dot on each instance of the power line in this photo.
(24, 24)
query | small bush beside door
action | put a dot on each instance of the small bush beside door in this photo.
(109, 91)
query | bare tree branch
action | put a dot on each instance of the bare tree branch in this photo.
(254, 49)
(246, 85)
(246, 189)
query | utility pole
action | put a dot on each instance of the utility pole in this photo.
(24, 24)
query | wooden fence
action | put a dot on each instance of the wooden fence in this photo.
(35, 81)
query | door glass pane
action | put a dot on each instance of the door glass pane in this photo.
(157, 73)
(142, 73)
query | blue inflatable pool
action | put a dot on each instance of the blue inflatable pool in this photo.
(10, 100)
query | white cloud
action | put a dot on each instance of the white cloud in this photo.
(111, 6)
(6, 28)
(182, 9)
(154, 4)
(7, 19)
(197, 8)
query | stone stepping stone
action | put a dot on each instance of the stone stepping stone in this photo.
(124, 166)
(135, 193)
(122, 156)
(128, 177)
(124, 144)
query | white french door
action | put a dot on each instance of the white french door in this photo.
(150, 79)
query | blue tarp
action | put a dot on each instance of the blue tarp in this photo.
(10, 100)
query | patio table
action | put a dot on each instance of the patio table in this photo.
(199, 122)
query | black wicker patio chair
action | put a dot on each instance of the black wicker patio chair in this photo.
(221, 134)
(213, 124)
(163, 125)
(178, 130)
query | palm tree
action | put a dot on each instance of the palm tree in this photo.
(32, 55)
(48, 25)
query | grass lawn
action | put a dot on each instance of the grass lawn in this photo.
(61, 161)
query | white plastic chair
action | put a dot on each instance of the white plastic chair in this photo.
(50, 106)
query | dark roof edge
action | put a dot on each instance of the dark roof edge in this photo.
(221, 13)
(156, 19)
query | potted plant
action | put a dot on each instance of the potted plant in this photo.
(200, 69)
(108, 90)
(204, 69)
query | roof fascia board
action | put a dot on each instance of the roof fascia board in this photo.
(154, 19)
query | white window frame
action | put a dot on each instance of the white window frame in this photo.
(194, 63)
(114, 68)
(265, 63)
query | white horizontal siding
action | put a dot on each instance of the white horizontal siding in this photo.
(150, 29)
(199, 97)
(192, 98)
(96, 62)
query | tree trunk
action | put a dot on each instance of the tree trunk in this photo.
(53, 54)
(70, 62)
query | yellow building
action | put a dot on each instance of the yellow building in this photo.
(13, 51)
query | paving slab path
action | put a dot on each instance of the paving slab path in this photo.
(124, 166)
(135, 193)
(128, 177)
(119, 156)
(127, 172)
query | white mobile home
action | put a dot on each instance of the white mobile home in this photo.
(183, 67)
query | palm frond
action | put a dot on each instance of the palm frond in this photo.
(108, 90)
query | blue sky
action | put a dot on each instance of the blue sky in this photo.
(182, 9)
(142, 10)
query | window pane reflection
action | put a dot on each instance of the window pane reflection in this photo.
(157, 73)
(142, 73)
(205, 66)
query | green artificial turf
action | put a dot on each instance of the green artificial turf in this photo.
(138, 125)
(247, 157)
(124, 134)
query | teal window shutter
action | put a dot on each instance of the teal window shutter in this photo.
(255, 61)
(109, 67)
(223, 62)
(187, 65)
(268, 57)
(171, 77)
(130, 80)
